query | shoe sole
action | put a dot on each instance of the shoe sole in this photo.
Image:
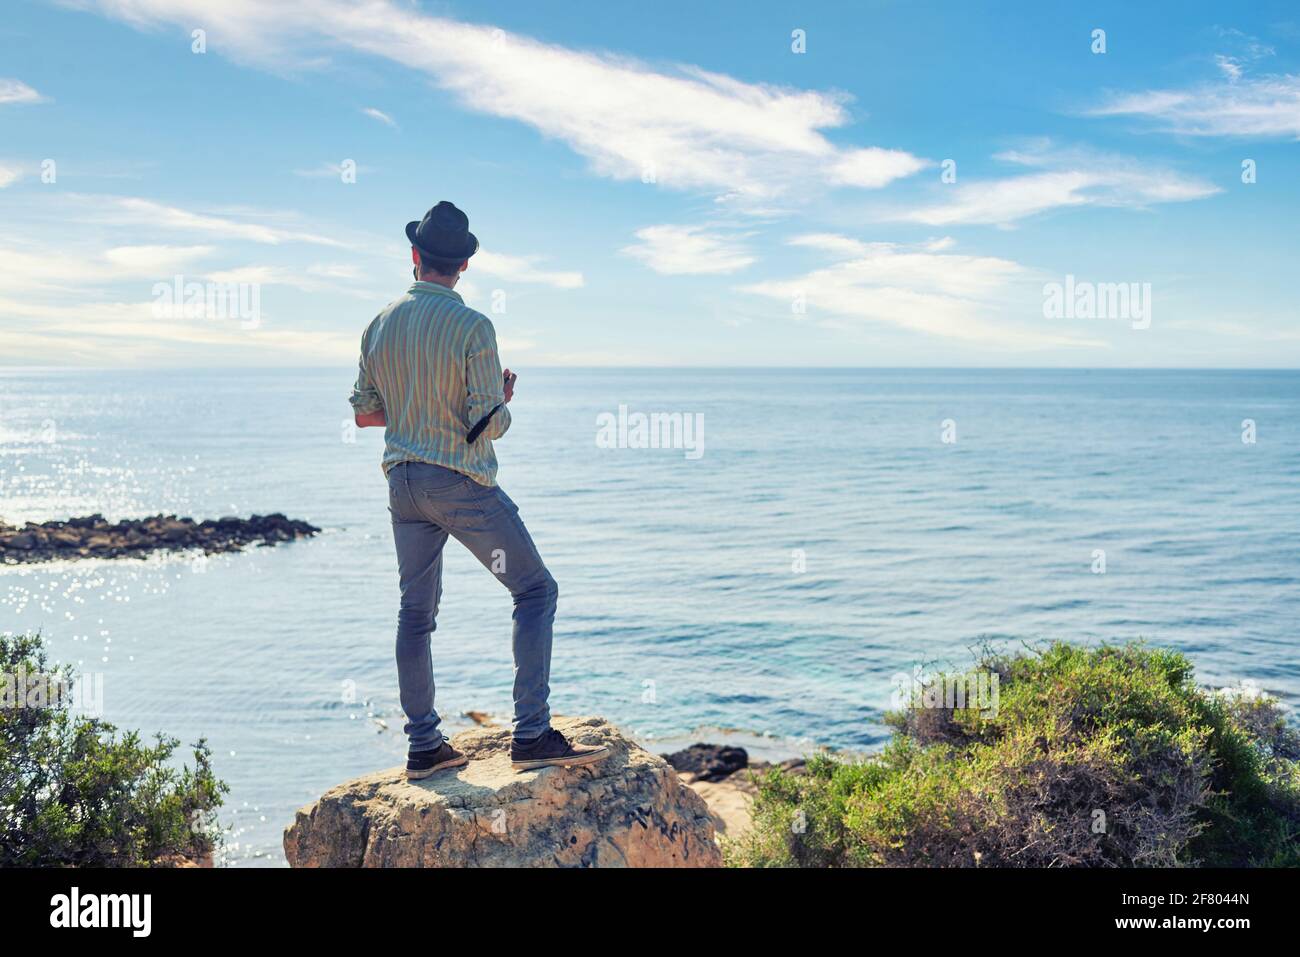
(571, 761)
(453, 763)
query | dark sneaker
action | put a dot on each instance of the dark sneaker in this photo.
(553, 748)
(420, 764)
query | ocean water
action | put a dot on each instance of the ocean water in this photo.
(827, 539)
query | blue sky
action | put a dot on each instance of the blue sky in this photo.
(666, 184)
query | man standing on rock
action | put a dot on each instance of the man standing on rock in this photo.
(430, 374)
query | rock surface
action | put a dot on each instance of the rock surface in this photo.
(629, 810)
(94, 537)
(731, 804)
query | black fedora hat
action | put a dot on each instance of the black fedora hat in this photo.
(443, 234)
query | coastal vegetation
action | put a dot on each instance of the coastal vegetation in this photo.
(76, 791)
(1107, 756)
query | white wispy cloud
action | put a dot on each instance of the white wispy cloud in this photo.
(304, 280)
(688, 250)
(946, 295)
(34, 269)
(329, 170)
(130, 334)
(109, 317)
(1237, 103)
(349, 272)
(137, 211)
(872, 167)
(151, 260)
(16, 91)
(9, 174)
(688, 127)
(525, 269)
(917, 267)
(843, 246)
(380, 115)
(1229, 66)
(1267, 106)
(94, 322)
(1060, 179)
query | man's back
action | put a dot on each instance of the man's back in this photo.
(430, 363)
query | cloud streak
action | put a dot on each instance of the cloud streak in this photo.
(32, 270)
(136, 211)
(688, 250)
(16, 91)
(128, 334)
(380, 115)
(682, 127)
(524, 269)
(1266, 106)
(949, 296)
(1060, 179)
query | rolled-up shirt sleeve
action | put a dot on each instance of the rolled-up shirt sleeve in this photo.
(483, 381)
(365, 397)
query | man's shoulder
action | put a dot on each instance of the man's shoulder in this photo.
(455, 311)
(393, 308)
(473, 320)
(404, 301)
(477, 318)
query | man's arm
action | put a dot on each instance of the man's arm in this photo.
(367, 404)
(484, 382)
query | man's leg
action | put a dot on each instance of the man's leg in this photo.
(487, 522)
(419, 562)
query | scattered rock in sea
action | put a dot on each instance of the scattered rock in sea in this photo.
(94, 537)
(709, 762)
(629, 810)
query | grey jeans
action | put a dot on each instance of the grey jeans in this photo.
(428, 503)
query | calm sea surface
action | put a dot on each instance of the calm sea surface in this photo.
(682, 606)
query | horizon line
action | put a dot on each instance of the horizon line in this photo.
(7, 369)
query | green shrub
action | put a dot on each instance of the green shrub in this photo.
(74, 791)
(1097, 757)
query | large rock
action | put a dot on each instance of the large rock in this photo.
(709, 762)
(629, 810)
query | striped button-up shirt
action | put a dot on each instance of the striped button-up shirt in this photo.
(430, 363)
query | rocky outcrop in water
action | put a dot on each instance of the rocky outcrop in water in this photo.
(94, 537)
(629, 810)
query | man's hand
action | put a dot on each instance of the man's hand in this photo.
(364, 419)
(509, 386)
